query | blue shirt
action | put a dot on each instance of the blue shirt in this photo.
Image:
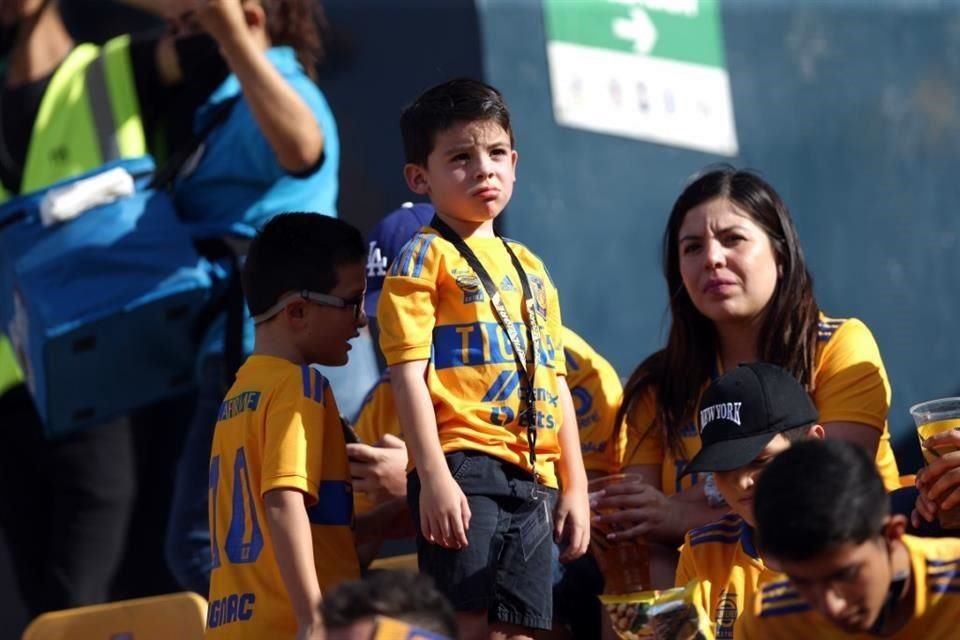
(234, 183)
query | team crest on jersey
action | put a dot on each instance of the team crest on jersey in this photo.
(470, 285)
(539, 292)
(726, 615)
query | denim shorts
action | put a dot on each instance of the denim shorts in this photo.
(507, 567)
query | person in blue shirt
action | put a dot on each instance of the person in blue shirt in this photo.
(273, 148)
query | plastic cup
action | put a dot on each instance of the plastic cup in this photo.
(934, 417)
(625, 564)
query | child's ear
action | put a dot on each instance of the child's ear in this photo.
(294, 312)
(416, 177)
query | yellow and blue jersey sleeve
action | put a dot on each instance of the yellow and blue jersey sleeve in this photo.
(278, 428)
(597, 392)
(433, 306)
(851, 385)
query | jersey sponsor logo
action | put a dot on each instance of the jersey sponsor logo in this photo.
(470, 285)
(583, 405)
(236, 607)
(726, 614)
(481, 343)
(539, 292)
(729, 411)
(232, 407)
(376, 261)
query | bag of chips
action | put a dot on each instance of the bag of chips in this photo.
(658, 615)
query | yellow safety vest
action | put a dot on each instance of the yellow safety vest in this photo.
(89, 115)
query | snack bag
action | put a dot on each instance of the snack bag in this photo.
(658, 615)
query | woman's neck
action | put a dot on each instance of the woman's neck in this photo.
(737, 343)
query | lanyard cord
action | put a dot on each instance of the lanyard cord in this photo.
(503, 316)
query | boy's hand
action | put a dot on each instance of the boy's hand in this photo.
(572, 524)
(444, 512)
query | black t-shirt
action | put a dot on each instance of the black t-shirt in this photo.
(167, 112)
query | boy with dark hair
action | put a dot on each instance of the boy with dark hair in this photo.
(281, 508)
(470, 328)
(823, 517)
(747, 417)
(351, 609)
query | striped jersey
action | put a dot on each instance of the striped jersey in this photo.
(434, 307)
(278, 428)
(722, 558)
(849, 385)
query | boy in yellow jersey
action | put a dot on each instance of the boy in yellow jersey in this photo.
(824, 519)
(749, 416)
(470, 328)
(281, 508)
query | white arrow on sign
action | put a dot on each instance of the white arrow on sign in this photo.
(639, 29)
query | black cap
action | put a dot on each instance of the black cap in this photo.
(742, 410)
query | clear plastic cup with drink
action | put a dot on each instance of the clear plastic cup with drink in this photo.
(625, 564)
(934, 417)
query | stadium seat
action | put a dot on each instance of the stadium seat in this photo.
(177, 615)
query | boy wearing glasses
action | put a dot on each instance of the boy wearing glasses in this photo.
(280, 502)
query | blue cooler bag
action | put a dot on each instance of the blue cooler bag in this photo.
(103, 309)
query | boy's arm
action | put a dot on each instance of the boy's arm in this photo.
(286, 516)
(572, 519)
(444, 513)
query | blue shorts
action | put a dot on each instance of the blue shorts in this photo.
(507, 567)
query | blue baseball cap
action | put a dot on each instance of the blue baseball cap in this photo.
(385, 242)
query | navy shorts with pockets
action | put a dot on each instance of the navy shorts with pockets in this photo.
(507, 566)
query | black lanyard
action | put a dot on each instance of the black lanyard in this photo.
(533, 328)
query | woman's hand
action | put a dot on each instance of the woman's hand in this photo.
(632, 509)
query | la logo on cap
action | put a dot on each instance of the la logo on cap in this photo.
(724, 411)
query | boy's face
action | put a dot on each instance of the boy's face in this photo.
(737, 486)
(325, 331)
(847, 584)
(470, 172)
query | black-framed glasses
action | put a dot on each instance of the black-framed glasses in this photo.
(323, 299)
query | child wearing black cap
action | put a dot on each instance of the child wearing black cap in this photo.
(746, 417)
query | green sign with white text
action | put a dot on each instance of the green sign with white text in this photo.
(647, 69)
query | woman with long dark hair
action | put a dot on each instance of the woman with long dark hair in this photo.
(739, 292)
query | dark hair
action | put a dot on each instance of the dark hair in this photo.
(403, 595)
(298, 24)
(788, 337)
(442, 106)
(297, 251)
(818, 494)
(797, 434)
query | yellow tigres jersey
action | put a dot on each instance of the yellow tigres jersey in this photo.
(433, 307)
(596, 392)
(849, 385)
(778, 612)
(723, 560)
(278, 428)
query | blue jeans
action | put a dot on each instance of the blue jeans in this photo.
(187, 547)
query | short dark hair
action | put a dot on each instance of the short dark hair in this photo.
(403, 595)
(797, 434)
(818, 494)
(297, 251)
(442, 106)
